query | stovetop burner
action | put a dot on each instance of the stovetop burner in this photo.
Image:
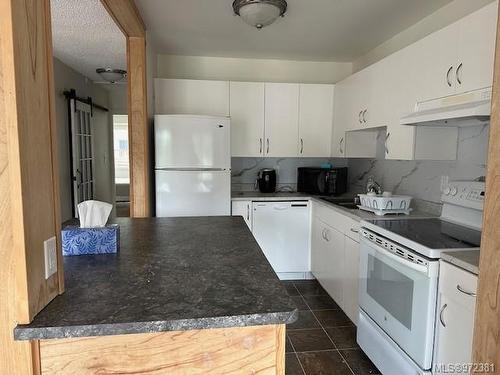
(433, 233)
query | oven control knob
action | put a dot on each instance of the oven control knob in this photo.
(453, 191)
(447, 190)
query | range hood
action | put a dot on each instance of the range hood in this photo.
(469, 109)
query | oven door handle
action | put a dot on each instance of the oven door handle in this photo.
(404, 262)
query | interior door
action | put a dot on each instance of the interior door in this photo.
(247, 119)
(315, 120)
(282, 119)
(82, 153)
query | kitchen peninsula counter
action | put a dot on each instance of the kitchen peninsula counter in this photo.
(204, 276)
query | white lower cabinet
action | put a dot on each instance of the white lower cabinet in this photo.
(335, 257)
(327, 258)
(242, 208)
(455, 316)
(351, 279)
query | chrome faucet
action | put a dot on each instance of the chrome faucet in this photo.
(373, 186)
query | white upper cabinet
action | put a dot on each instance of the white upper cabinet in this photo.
(476, 49)
(457, 58)
(315, 120)
(191, 97)
(247, 118)
(433, 63)
(282, 119)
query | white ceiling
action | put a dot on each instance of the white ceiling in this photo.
(317, 30)
(85, 37)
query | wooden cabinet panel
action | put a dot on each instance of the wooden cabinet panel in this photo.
(191, 97)
(241, 350)
(315, 120)
(247, 118)
(282, 119)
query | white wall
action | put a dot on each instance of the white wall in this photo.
(261, 70)
(441, 18)
(66, 78)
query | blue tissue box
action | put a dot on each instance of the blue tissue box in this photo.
(84, 241)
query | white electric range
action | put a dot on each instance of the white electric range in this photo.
(399, 268)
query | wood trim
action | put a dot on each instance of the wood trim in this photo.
(27, 208)
(140, 203)
(280, 349)
(36, 363)
(486, 343)
(242, 350)
(126, 16)
(55, 149)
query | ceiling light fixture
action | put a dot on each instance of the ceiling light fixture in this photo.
(111, 75)
(259, 13)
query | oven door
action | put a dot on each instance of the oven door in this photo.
(400, 297)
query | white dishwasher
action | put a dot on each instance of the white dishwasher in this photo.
(282, 230)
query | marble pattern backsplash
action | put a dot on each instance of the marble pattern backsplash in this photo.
(422, 178)
(244, 170)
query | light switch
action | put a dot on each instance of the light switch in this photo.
(50, 254)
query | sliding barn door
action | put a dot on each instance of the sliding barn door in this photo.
(82, 153)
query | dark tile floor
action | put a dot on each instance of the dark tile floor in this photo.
(323, 339)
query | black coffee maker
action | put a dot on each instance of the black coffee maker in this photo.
(266, 180)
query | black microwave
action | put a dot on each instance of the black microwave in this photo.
(322, 181)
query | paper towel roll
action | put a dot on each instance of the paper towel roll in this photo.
(93, 214)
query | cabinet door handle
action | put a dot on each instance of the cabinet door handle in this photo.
(260, 149)
(462, 290)
(354, 230)
(458, 73)
(448, 81)
(323, 233)
(385, 143)
(359, 117)
(326, 236)
(364, 115)
(441, 315)
(267, 152)
(248, 212)
(340, 145)
(301, 145)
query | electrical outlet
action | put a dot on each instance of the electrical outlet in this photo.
(50, 254)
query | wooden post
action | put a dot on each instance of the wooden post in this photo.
(486, 344)
(29, 212)
(128, 19)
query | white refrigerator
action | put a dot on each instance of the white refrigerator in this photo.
(192, 165)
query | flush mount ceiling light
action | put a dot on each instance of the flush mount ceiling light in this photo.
(111, 75)
(259, 13)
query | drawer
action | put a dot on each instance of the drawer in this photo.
(457, 283)
(352, 229)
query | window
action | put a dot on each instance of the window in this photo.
(120, 146)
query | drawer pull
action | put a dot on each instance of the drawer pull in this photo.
(460, 289)
(354, 230)
(441, 314)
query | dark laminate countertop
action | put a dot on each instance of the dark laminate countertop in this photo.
(170, 274)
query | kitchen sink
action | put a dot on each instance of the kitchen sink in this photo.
(349, 204)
